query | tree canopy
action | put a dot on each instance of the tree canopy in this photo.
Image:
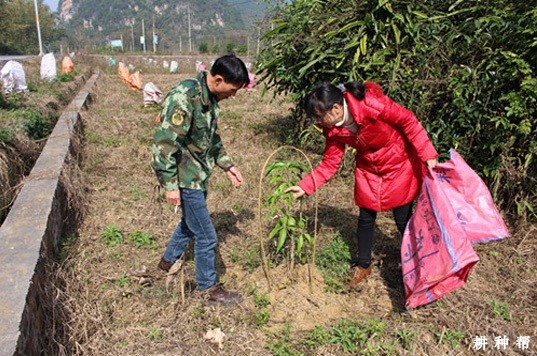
(19, 30)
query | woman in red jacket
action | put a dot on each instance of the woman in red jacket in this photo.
(392, 149)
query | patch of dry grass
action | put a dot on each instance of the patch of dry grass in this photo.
(106, 310)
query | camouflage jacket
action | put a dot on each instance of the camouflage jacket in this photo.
(186, 145)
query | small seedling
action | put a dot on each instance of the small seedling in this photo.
(287, 228)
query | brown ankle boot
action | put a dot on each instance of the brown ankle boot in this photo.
(217, 294)
(165, 265)
(358, 274)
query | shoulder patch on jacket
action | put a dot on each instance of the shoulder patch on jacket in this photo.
(178, 117)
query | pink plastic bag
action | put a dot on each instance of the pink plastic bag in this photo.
(471, 200)
(454, 210)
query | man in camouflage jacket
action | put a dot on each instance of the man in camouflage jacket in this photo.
(186, 147)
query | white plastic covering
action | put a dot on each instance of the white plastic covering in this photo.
(152, 94)
(173, 66)
(48, 67)
(13, 77)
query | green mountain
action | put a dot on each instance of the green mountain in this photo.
(212, 23)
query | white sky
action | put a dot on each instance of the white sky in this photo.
(52, 4)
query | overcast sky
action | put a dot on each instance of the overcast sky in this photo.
(52, 4)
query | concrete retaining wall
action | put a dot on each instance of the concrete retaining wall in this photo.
(30, 236)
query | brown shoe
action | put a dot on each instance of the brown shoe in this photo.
(165, 265)
(217, 294)
(358, 275)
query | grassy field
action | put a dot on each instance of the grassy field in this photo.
(112, 300)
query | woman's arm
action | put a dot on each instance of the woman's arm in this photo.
(325, 170)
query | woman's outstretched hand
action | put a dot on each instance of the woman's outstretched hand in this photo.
(432, 163)
(296, 190)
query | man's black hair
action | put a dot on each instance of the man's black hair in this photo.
(232, 69)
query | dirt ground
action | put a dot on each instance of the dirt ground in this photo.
(112, 300)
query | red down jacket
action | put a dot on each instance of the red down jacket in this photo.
(391, 150)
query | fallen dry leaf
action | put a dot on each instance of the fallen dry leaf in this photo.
(216, 336)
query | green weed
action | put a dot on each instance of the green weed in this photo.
(500, 309)
(122, 281)
(13, 101)
(406, 338)
(64, 77)
(142, 239)
(352, 336)
(450, 337)
(121, 344)
(262, 316)
(136, 193)
(112, 141)
(153, 334)
(66, 240)
(112, 236)
(317, 337)
(252, 259)
(92, 136)
(198, 312)
(249, 259)
(261, 300)
(333, 260)
(282, 344)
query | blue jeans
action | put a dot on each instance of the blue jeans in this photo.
(195, 223)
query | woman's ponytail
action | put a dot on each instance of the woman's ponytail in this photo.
(356, 89)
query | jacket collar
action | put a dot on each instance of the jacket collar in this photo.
(207, 98)
(349, 107)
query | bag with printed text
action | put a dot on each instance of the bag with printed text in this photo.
(454, 210)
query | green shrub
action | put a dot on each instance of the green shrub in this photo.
(65, 77)
(36, 125)
(6, 134)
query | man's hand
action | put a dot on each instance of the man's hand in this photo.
(296, 190)
(234, 176)
(173, 197)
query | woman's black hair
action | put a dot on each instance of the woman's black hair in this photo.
(326, 95)
(232, 69)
